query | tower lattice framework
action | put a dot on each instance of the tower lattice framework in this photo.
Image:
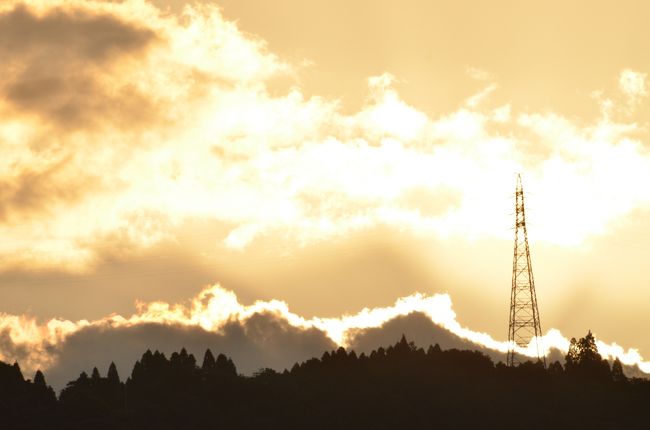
(524, 323)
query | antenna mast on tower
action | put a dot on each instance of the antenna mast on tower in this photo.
(524, 323)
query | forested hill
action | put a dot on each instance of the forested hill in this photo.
(399, 387)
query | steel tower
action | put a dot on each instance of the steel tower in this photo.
(524, 323)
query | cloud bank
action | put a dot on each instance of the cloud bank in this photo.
(263, 334)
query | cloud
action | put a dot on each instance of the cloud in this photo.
(59, 64)
(90, 97)
(16, 351)
(477, 98)
(265, 333)
(633, 85)
(263, 340)
(144, 120)
(74, 33)
(479, 74)
(32, 190)
(420, 329)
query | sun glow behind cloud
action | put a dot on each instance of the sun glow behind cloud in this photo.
(210, 141)
(215, 306)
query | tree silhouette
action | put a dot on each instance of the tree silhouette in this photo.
(587, 349)
(95, 375)
(39, 379)
(400, 386)
(583, 359)
(112, 375)
(573, 355)
(208, 360)
(617, 371)
(555, 369)
(225, 366)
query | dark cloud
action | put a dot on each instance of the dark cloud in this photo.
(69, 32)
(417, 328)
(33, 191)
(264, 340)
(51, 64)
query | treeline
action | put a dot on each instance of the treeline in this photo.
(402, 386)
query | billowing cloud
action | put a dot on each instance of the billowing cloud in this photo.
(263, 340)
(183, 117)
(90, 87)
(420, 329)
(264, 334)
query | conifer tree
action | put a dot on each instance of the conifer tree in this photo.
(617, 371)
(208, 360)
(112, 375)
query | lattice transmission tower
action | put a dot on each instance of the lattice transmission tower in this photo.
(524, 323)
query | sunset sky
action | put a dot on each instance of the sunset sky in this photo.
(188, 164)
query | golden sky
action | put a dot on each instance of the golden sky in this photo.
(332, 155)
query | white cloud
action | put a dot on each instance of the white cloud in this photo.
(266, 329)
(633, 85)
(221, 147)
(479, 97)
(479, 74)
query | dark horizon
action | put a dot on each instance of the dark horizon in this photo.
(394, 387)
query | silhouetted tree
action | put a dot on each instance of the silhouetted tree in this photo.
(587, 349)
(112, 375)
(95, 375)
(39, 379)
(208, 360)
(583, 359)
(225, 366)
(617, 371)
(433, 350)
(17, 371)
(555, 369)
(573, 354)
(399, 387)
